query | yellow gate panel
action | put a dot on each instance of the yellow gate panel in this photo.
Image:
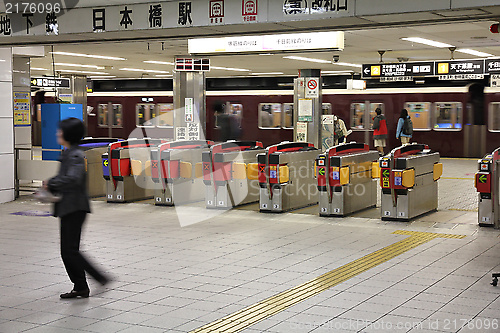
(284, 174)
(186, 169)
(136, 167)
(253, 171)
(239, 171)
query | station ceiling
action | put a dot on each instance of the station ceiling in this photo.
(361, 46)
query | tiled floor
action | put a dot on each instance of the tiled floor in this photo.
(169, 278)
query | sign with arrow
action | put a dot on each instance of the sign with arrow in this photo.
(483, 179)
(385, 178)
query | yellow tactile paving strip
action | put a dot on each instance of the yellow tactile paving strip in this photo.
(275, 304)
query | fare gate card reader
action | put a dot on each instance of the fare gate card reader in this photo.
(286, 177)
(177, 168)
(408, 178)
(346, 176)
(230, 174)
(487, 186)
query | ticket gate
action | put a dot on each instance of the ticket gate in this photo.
(94, 148)
(408, 177)
(127, 170)
(486, 182)
(286, 177)
(345, 175)
(230, 174)
(177, 167)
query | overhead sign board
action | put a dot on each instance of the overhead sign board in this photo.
(192, 65)
(332, 40)
(452, 67)
(50, 82)
(400, 69)
(444, 69)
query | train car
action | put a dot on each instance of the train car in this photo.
(440, 115)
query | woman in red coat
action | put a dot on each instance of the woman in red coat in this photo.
(379, 131)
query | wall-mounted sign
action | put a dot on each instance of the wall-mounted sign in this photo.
(301, 132)
(22, 109)
(50, 82)
(400, 69)
(312, 87)
(332, 40)
(189, 109)
(305, 109)
(495, 80)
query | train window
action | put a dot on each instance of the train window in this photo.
(287, 115)
(234, 109)
(145, 114)
(117, 115)
(494, 117)
(420, 113)
(165, 115)
(448, 116)
(358, 111)
(102, 115)
(269, 115)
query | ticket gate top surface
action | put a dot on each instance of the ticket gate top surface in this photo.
(338, 164)
(218, 162)
(116, 163)
(272, 163)
(165, 160)
(399, 169)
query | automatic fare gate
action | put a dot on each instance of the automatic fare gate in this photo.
(127, 170)
(346, 181)
(286, 177)
(230, 174)
(177, 167)
(408, 177)
(487, 184)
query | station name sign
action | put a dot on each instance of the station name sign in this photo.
(50, 82)
(444, 69)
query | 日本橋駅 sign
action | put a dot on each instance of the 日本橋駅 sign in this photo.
(444, 69)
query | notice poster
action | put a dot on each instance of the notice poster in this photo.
(305, 109)
(180, 133)
(22, 109)
(301, 132)
(193, 131)
(188, 109)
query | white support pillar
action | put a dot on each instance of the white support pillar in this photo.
(6, 127)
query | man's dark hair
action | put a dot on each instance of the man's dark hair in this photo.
(378, 111)
(72, 130)
(218, 107)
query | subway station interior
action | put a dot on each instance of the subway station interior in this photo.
(251, 165)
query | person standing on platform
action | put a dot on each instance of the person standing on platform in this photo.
(70, 184)
(404, 130)
(379, 131)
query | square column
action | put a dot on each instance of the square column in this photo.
(6, 127)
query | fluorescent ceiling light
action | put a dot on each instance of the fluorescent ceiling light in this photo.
(321, 61)
(268, 73)
(163, 75)
(87, 55)
(158, 62)
(426, 42)
(80, 72)
(102, 77)
(348, 64)
(476, 53)
(230, 69)
(142, 70)
(78, 65)
(38, 69)
(337, 72)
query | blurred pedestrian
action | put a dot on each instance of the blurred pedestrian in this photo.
(379, 131)
(404, 130)
(70, 184)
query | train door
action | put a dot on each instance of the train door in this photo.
(110, 116)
